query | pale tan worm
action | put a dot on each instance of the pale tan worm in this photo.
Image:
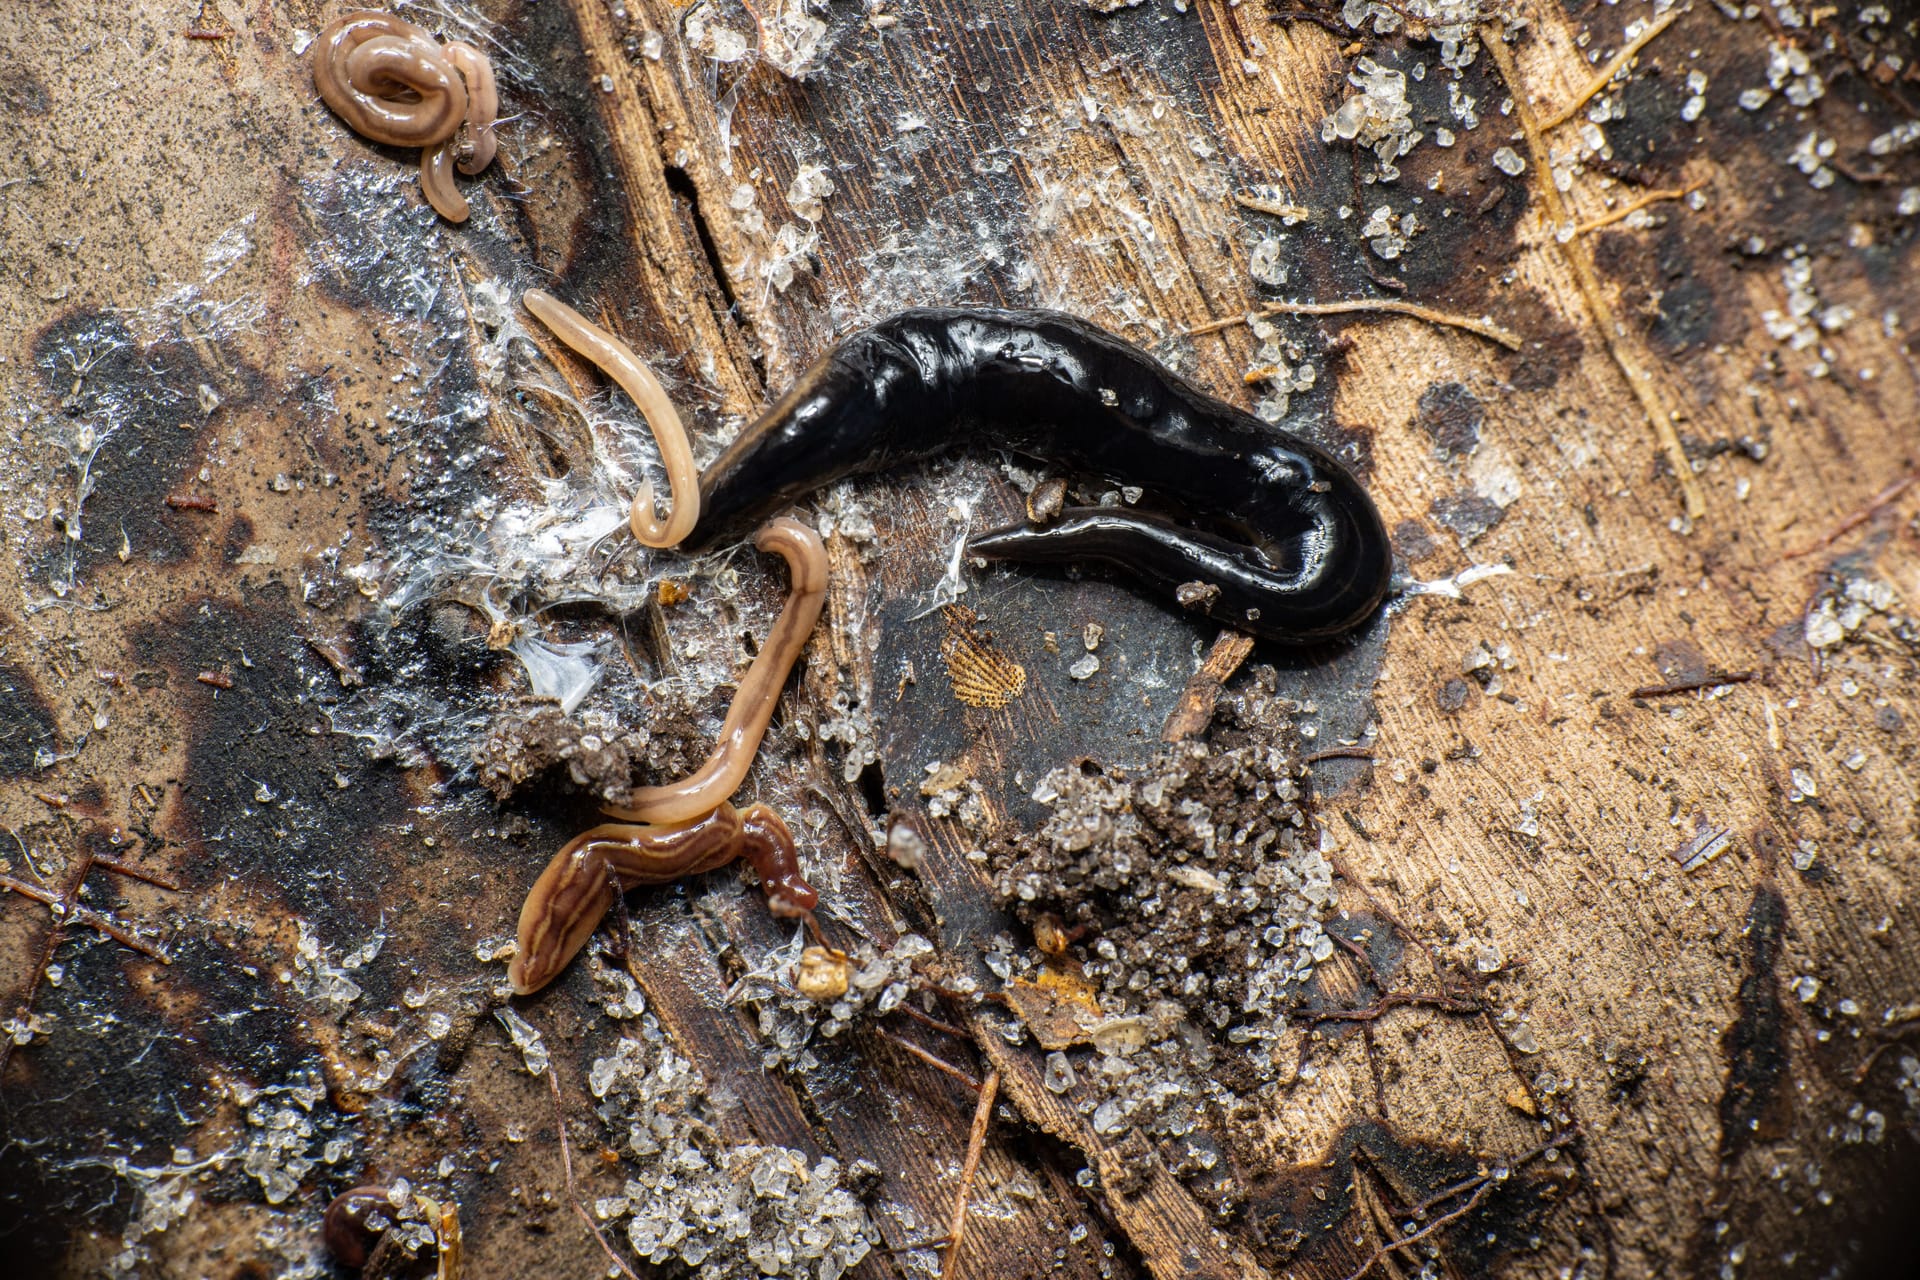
(617, 360)
(391, 82)
(752, 708)
(387, 79)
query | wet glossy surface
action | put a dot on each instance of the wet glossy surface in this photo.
(1267, 532)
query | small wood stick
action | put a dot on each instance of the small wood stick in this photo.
(1484, 328)
(1879, 500)
(1639, 380)
(1387, 1248)
(925, 1019)
(932, 1060)
(976, 1143)
(1613, 68)
(1628, 210)
(1195, 709)
(566, 1162)
(83, 915)
(155, 878)
(1712, 680)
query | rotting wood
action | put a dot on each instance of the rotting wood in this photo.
(1514, 834)
(1653, 400)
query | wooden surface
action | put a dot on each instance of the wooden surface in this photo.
(266, 377)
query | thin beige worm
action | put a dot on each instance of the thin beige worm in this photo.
(753, 705)
(573, 894)
(436, 182)
(387, 79)
(483, 105)
(617, 361)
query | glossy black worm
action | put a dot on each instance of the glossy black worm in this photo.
(1268, 534)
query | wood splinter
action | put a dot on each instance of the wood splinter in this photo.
(976, 1144)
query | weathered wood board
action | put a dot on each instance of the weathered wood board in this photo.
(1622, 972)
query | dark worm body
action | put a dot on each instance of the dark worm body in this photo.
(1253, 527)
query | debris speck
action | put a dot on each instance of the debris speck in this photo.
(526, 1038)
(807, 193)
(1378, 118)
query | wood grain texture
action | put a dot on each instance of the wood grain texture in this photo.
(251, 386)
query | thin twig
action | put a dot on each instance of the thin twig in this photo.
(1278, 208)
(1639, 381)
(1423, 1232)
(1712, 680)
(1360, 957)
(1879, 500)
(1484, 328)
(927, 1019)
(566, 1162)
(123, 936)
(1394, 1000)
(931, 1060)
(1626, 211)
(1340, 753)
(976, 1143)
(154, 878)
(86, 916)
(1560, 1139)
(1891, 1037)
(33, 891)
(76, 877)
(1612, 69)
(914, 1246)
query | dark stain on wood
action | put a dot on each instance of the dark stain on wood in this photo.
(27, 724)
(1755, 1047)
(1310, 1215)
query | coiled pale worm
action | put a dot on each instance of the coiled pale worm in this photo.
(618, 362)
(573, 894)
(391, 82)
(753, 704)
(366, 65)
